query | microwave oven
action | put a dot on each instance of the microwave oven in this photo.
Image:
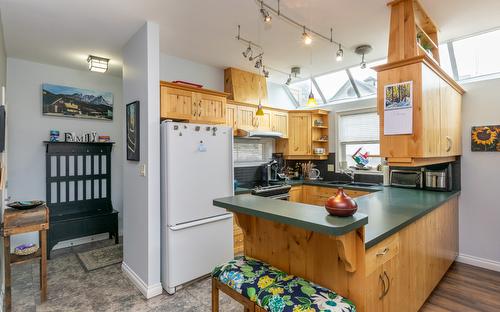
(407, 178)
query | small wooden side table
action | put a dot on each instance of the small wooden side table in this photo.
(25, 221)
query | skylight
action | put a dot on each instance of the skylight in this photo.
(366, 79)
(336, 86)
(300, 91)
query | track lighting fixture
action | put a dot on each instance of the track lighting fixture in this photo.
(362, 50)
(265, 14)
(258, 63)
(265, 71)
(247, 52)
(340, 54)
(289, 80)
(306, 37)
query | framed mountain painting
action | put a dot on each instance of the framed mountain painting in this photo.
(63, 101)
(485, 139)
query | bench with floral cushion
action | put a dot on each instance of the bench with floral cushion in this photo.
(259, 286)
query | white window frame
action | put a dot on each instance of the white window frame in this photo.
(340, 147)
(268, 149)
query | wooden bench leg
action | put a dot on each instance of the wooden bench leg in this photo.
(43, 265)
(215, 296)
(8, 280)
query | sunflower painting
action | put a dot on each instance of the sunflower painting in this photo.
(485, 139)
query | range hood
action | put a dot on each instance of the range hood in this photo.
(240, 133)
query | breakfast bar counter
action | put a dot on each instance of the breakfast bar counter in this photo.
(372, 257)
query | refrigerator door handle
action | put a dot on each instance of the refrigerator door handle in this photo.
(200, 222)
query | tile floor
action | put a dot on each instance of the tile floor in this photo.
(71, 288)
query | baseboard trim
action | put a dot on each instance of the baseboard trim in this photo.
(479, 262)
(147, 291)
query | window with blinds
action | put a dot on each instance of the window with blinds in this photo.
(358, 131)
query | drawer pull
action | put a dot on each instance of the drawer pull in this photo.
(383, 252)
(388, 283)
(382, 295)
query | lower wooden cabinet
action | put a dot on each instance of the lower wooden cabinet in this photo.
(238, 238)
(318, 195)
(296, 194)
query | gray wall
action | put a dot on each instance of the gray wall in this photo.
(27, 127)
(141, 223)
(479, 204)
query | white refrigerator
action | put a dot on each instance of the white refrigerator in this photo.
(196, 168)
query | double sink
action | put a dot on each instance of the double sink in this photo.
(341, 183)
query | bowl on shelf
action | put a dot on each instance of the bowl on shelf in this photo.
(319, 150)
(25, 249)
(23, 205)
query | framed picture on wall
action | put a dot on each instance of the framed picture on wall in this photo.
(63, 101)
(485, 139)
(133, 134)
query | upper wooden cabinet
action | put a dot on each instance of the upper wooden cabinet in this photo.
(243, 116)
(245, 87)
(307, 134)
(413, 56)
(180, 102)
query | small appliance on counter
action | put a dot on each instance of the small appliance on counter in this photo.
(407, 178)
(438, 178)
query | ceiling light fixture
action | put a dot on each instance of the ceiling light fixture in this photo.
(363, 50)
(248, 52)
(265, 14)
(98, 64)
(306, 37)
(265, 71)
(258, 63)
(311, 101)
(289, 80)
(295, 71)
(340, 54)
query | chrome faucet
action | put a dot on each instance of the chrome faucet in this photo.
(348, 172)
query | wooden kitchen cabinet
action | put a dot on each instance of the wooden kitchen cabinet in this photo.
(279, 122)
(382, 292)
(307, 131)
(264, 123)
(231, 115)
(296, 194)
(237, 239)
(246, 117)
(184, 103)
(437, 98)
(318, 195)
(177, 103)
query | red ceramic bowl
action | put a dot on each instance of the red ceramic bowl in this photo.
(341, 205)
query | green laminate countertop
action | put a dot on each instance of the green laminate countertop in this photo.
(389, 209)
(310, 217)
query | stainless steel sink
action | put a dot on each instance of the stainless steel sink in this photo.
(362, 184)
(336, 182)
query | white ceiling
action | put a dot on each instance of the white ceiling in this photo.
(63, 32)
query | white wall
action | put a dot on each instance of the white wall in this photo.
(141, 222)
(3, 79)
(211, 77)
(479, 203)
(27, 127)
(174, 68)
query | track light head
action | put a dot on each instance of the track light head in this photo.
(265, 72)
(362, 50)
(247, 52)
(266, 16)
(306, 37)
(289, 80)
(258, 64)
(340, 54)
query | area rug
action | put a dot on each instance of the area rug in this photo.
(101, 257)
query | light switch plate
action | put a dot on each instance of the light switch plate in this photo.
(331, 167)
(142, 170)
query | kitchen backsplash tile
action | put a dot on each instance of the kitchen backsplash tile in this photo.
(247, 176)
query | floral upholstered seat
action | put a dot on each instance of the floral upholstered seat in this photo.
(275, 290)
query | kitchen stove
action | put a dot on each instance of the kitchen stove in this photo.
(279, 191)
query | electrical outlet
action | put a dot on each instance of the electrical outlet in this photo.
(331, 167)
(142, 170)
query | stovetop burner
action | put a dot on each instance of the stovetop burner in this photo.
(271, 190)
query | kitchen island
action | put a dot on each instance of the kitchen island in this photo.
(387, 257)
